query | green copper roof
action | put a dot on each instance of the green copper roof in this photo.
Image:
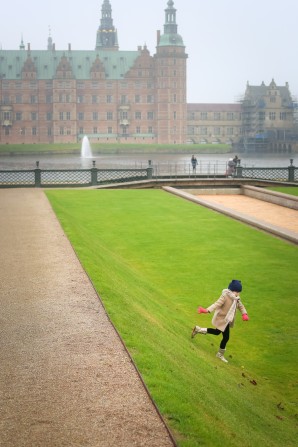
(116, 63)
(171, 39)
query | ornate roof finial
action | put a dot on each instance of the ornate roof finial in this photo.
(22, 46)
(50, 40)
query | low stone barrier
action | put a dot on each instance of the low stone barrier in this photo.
(266, 195)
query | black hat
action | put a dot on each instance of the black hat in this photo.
(235, 285)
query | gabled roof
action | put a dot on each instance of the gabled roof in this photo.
(116, 63)
(260, 91)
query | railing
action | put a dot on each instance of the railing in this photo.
(71, 177)
(94, 176)
(289, 174)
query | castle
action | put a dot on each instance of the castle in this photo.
(54, 96)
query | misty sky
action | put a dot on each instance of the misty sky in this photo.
(229, 42)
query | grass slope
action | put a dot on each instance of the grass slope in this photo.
(292, 190)
(154, 258)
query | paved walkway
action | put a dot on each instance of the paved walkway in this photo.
(267, 212)
(65, 377)
(275, 219)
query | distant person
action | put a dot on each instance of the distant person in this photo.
(224, 316)
(194, 163)
(231, 169)
(236, 160)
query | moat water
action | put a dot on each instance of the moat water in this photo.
(115, 161)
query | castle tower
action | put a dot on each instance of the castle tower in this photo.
(170, 81)
(106, 37)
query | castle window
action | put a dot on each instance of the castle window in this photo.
(272, 116)
(216, 115)
(283, 116)
(272, 99)
(138, 115)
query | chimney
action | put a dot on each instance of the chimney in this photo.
(29, 47)
(158, 37)
(54, 47)
(69, 47)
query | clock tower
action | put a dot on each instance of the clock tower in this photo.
(106, 38)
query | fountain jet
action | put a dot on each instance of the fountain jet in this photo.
(86, 151)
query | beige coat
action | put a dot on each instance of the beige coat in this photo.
(221, 308)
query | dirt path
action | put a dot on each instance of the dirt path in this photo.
(65, 377)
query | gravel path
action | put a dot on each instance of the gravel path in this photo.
(65, 377)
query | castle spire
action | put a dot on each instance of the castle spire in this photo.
(22, 46)
(170, 36)
(50, 40)
(170, 26)
(106, 34)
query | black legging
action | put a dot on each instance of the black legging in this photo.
(225, 335)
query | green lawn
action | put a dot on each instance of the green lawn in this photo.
(292, 190)
(154, 258)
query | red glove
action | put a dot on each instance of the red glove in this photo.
(201, 310)
(245, 317)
